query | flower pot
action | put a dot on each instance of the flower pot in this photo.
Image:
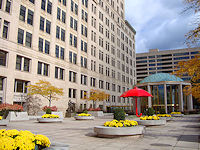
(84, 117)
(152, 122)
(103, 131)
(177, 115)
(4, 122)
(49, 120)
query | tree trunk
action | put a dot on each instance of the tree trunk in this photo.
(50, 101)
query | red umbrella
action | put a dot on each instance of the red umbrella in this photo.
(136, 92)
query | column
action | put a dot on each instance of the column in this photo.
(190, 102)
(165, 97)
(180, 98)
(149, 98)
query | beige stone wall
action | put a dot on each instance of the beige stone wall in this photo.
(12, 48)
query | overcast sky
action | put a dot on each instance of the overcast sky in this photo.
(158, 23)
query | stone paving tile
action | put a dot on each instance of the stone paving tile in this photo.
(181, 134)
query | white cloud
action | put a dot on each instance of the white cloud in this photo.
(158, 23)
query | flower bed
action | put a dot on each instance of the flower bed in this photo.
(116, 128)
(177, 114)
(15, 140)
(151, 121)
(84, 116)
(121, 123)
(166, 117)
(163, 115)
(149, 118)
(49, 118)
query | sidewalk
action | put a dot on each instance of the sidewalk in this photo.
(181, 134)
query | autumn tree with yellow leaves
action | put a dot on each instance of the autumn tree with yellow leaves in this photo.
(191, 68)
(46, 90)
(97, 95)
(193, 36)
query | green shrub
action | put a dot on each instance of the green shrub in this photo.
(119, 114)
(85, 111)
(162, 111)
(150, 111)
(48, 111)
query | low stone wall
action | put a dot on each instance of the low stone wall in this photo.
(96, 113)
(103, 131)
(17, 116)
(4, 122)
(152, 122)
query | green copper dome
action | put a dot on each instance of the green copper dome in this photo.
(160, 77)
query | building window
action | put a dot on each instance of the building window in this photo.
(5, 29)
(72, 93)
(49, 7)
(8, 5)
(60, 52)
(22, 61)
(58, 13)
(48, 26)
(32, 1)
(72, 57)
(22, 13)
(43, 4)
(30, 17)
(72, 76)
(59, 73)
(3, 56)
(73, 40)
(43, 68)
(47, 46)
(28, 39)
(20, 36)
(41, 23)
(40, 45)
(101, 86)
(83, 62)
(83, 94)
(1, 85)
(83, 79)
(93, 82)
(20, 86)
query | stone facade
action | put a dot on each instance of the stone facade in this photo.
(77, 45)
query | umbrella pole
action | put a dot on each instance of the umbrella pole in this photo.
(137, 108)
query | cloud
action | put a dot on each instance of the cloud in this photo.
(158, 23)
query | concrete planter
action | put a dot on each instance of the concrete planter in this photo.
(58, 146)
(103, 131)
(49, 120)
(60, 114)
(96, 113)
(84, 117)
(17, 116)
(152, 122)
(177, 115)
(4, 122)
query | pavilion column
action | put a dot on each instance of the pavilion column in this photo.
(149, 98)
(190, 102)
(180, 98)
(165, 97)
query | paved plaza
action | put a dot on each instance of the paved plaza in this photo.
(181, 134)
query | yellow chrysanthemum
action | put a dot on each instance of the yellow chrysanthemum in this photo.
(175, 113)
(50, 116)
(7, 143)
(84, 114)
(121, 123)
(1, 117)
(42, 140)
